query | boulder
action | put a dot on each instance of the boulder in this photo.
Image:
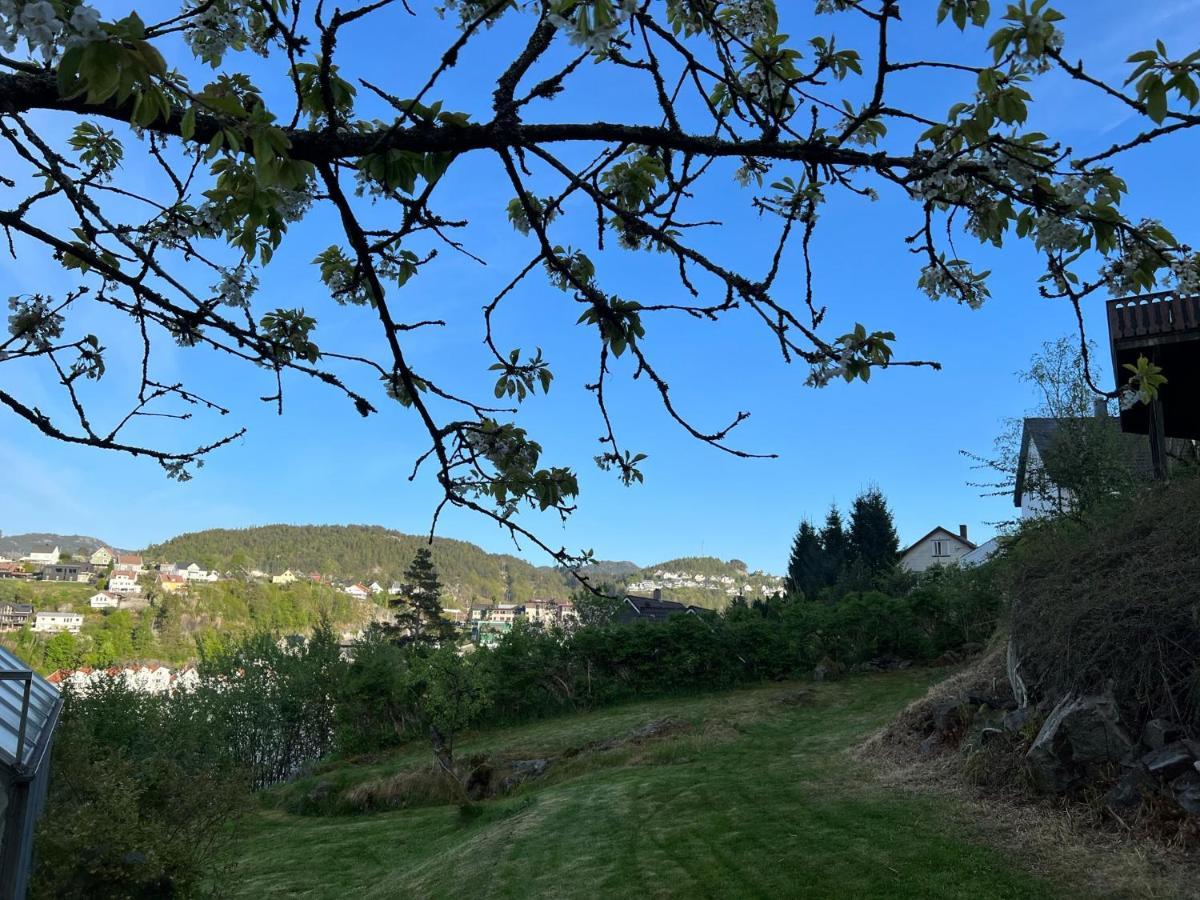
(1157, 733)
(1079, 735)
(1169, 762)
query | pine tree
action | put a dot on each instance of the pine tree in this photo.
(874, 546)
(833, 542)
(418, 610)
(805, 573)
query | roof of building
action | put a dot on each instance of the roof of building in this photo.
(649, 608)
(26, 608)
(130, 559)
(40, 714)
(950, 534)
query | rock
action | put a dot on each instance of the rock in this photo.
(1015, 679)
(987, 726)
(1189, 801)
(1157, 733)
(655, 729)
(930, 745)
(948, 716)
(1130, 791)
(1016, 719)
(1172, 760)
(1189, 780)
(1079, 734)
(979, 698)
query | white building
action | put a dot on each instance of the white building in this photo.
(46, 556)
(357, 591)
(105, 600)
(57, 621)
(123, 583)
(940, 547)
(102, 557)
(285, 577)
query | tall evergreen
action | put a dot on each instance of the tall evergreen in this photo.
(833, 542)
(418, 610)
(805, 572)
(874, 546)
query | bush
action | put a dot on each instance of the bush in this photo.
(138, 806)
(1113, 601)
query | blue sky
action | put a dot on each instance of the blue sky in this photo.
(321, 463)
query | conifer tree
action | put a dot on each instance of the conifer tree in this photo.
(418, 610)
(806, 566)
(874, 545)
(833, 543)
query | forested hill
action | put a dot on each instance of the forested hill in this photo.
(363, 552)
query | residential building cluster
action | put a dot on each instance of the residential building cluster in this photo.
(745, 585)
(488, 624)
(150, 678)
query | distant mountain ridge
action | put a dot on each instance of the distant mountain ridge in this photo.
(75, 544)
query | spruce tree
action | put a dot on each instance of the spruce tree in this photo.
(833, 542)
(418, 610)
(874, 546)
(805, 573)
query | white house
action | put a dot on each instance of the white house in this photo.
(129, 562)
(980, 554)
(123, 583)
(102, 557)
(287, 576)
(47, 556)
(357, 591)
(105, 600)
(57, 621)
(375, 587)
(940, 547)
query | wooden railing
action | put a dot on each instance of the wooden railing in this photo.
(1148, 316)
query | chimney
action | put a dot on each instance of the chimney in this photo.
(1100, 407)
(658, 593)
(962, 532)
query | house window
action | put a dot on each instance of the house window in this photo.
(939, 548)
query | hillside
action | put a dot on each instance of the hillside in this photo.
(747, 793)
(364, 552)
(75, 544)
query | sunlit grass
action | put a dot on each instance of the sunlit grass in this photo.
(757, 798)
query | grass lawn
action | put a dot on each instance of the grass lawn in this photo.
(758, 798)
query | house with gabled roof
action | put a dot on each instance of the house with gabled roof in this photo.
(652, 609)
(129, 562)
(358, 591)
(940, 547)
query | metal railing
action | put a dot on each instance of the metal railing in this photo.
(27, 677)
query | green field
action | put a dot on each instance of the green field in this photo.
(755, 797)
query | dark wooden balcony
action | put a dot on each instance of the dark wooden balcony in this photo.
(1164, 328)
